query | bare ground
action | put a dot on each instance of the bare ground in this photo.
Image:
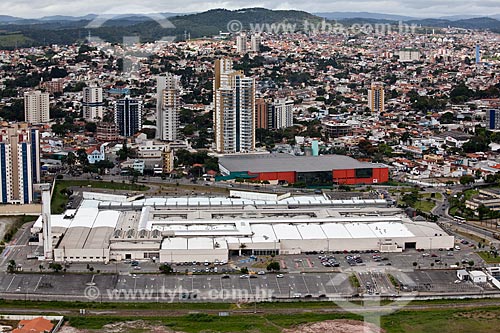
(336, 326)
(5, 223)
(329, 326)
(128, 326)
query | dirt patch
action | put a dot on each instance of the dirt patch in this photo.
(69, 329)
(138, 326)
(477, 315)
(336, 326)
(5, 223)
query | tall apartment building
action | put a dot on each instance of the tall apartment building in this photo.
(408, 55)
(106, 132)
(280, 114)
(92, 105)
(241, 43)
(273, 114)
(128, 116)
(261, 113)
(234, 116)
(167, 108)
(36, 107)
(255, 42)
(19, 163)
(54, 86)
(376, 99)
(493, 119)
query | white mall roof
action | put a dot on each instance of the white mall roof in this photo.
(224, 201)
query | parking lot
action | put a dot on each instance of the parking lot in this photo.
(205, 287)
(405, 260)
(438, 281)
(376, 283)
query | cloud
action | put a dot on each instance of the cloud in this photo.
(428, 8)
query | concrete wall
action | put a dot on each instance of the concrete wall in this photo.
(193, 255)
(81, 255)
(29, 209)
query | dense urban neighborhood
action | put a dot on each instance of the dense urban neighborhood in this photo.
(248, 167)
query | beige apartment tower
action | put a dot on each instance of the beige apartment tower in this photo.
(234, 109)
(36, 107)
(376, 98)
(167, 108)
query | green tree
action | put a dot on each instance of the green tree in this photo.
(103, 165)
(466, 180)
(82, 156)
(56, 267)
(11, 267)
(273, 266)
(166, 269)
(91, 127)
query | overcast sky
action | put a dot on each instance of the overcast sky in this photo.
(421, 8)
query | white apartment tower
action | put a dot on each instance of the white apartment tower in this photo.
(255, 42)
(234, 105)
(36, 107)
(241, 43)
(92, 105)
(167, 107)
(280, 114)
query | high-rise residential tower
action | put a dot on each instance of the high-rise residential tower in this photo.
(92, 104)
(234, 105)
(167, 107)
(19, 163)
(255, 42)
(376, 99)
(241, 43)
(36, 107)
(280, 114)
(128, 116)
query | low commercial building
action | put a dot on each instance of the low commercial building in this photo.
(199, 229)
(489, 198)
(478, 277)
(326, 169)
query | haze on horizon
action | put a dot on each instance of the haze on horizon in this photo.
(420, 8)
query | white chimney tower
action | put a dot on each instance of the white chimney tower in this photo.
(46, 225)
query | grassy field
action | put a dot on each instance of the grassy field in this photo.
(489, 258)
(200, 322)
(484, 320)
(59, 200)
(437, 196)
(445, 321)
(424, 205)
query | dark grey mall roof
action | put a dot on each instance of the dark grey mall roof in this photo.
(286, 162)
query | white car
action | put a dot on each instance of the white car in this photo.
(279, 276)
(261, 273)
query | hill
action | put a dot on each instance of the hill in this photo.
(363, 15)
(68, 30)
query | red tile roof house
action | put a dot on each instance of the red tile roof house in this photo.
(37, 325)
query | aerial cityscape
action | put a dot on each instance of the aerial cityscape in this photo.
(195, 167)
